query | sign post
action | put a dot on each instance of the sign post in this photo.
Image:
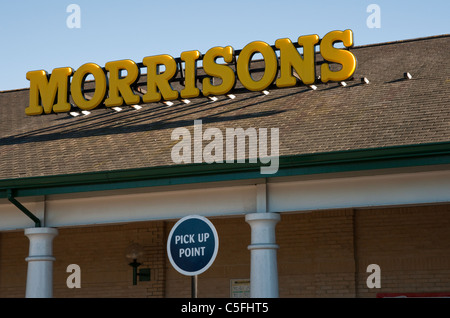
(192, 247)
(194, 286)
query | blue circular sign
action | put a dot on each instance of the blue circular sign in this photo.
(192, 245)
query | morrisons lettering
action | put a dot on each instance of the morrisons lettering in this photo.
(51, 93)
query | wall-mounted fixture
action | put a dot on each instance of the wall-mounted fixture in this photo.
(134, 252)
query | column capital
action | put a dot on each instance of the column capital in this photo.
(269, 216)
(263, 227)
(41, 230)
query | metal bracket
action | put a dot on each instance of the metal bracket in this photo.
(11, 199)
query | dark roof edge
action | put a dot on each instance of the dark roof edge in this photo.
(15, 90)
(355, 47)
(432, 37)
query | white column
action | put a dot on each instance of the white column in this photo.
(263, 255)
(40, 262)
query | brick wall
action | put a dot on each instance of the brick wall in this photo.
(326, 253)
(322, 254)
(100, 253)
(13, 268)
(316, 258)
(411, 246)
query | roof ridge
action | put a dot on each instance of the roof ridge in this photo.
(14, 90)
(432, 37)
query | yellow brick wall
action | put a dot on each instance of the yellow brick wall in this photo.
(322, 254)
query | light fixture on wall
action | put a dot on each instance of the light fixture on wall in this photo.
(134, 252)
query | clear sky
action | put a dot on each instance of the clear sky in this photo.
(35, 35)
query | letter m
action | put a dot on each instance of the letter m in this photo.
(240, 134)
(44, 89)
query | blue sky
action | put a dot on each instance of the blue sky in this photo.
(35, 34)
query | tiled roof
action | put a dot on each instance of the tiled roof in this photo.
(389, 111)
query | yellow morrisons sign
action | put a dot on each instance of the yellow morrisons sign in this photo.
(51, 93)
